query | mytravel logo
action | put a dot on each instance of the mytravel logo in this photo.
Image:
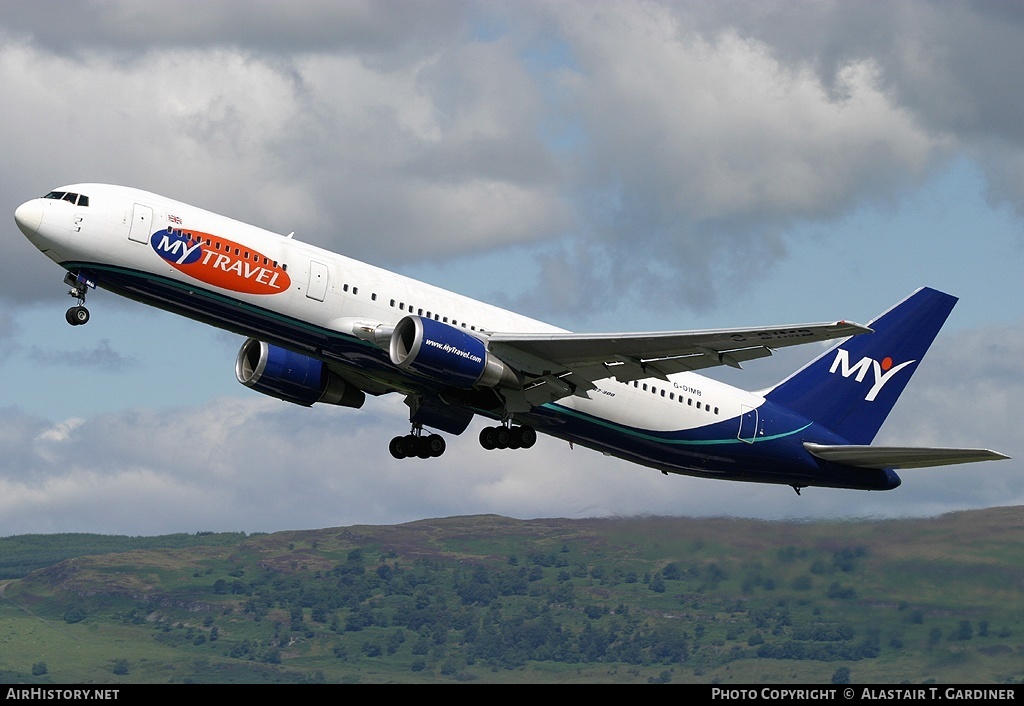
(449, 348)
(883, 370)
(220, 262)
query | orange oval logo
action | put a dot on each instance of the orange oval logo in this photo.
(220, 262)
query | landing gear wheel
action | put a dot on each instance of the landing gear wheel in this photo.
(435, 445)
(487, 438)
(413, 446)
(503, 437)
(515, 438)
(397, 447)
(77, 315)
(527, 437)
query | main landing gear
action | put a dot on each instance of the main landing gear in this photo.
(507, 437)
(415, 444)
(77, 315)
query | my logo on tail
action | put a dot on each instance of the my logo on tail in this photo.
(883, 370)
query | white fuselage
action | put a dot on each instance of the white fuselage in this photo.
(106, 233)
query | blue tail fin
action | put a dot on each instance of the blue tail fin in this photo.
(851, 388)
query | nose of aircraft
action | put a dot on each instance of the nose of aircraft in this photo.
(28, 216)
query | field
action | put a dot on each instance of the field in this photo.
(490, 599)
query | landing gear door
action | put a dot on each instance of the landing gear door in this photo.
(748, 424)
(142, 224)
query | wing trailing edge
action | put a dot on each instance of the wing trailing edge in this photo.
(663, 352)
(895, 457)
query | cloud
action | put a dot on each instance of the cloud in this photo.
(705, 146)
(102, 358)
(314, 26)
(8, 332)
(638, 147)
(421, 158)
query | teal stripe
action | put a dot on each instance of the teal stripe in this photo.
(258, 310)
(661, 439)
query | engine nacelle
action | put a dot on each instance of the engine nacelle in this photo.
(292, 377)
(447, 354)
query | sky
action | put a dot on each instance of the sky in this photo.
(601, 165)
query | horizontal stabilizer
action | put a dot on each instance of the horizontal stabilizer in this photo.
(881, 457)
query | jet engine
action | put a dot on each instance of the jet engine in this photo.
(447, 354)
(292, 377)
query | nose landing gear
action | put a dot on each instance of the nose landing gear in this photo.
(77, 315)
(80, 285)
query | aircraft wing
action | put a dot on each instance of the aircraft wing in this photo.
(881, 457)
(569, 363)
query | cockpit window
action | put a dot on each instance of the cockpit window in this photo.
(79, 199)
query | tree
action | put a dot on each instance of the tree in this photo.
(39, 669)
(964, 631)
(841, 676)
(74, 614)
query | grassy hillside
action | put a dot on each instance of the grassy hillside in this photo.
(25, 552)
(490, 599)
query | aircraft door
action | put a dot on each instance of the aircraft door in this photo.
(748, 424)
(317, 288)
(142, 224)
